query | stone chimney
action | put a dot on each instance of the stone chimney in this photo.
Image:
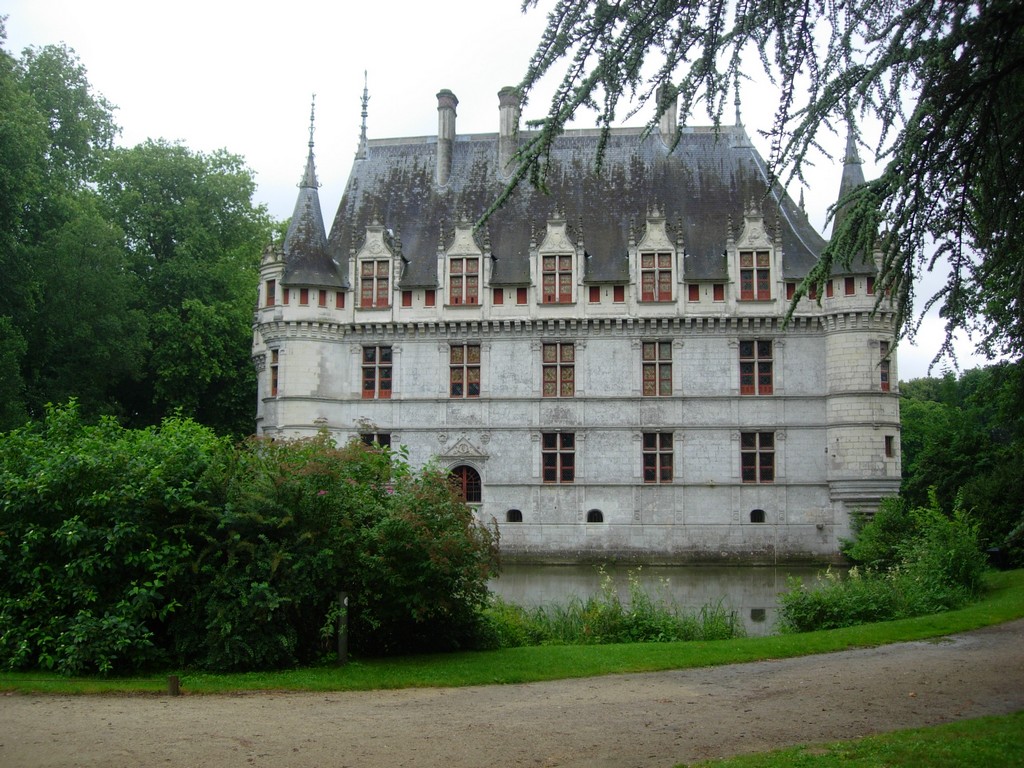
(446, 104)
(668, 125)
(508, 128)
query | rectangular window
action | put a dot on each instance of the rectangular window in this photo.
(656, 277)
(693, 292)
(657, 457)
(304, 297)
(619, 294)
(374, 290)
(595, 294)
(521, 294)
(429, 297)
(376, 439)
(718, 289)
(850, 286)
(406, 298)
(273, 372)
(464, 370)
(376, 373)
(756, 367)
(790, 291)
(757, 457)
(755, 276)
(871, 285)
(883, 365)
(559, 370)
(556, 279)
(829, 290)
(285, 294)
(271, 291)
(890, 446)
(558, 457)
(322, 298)
(812, 292)
(339, 299)
(464, 281)
(657, 368)
(498, 297)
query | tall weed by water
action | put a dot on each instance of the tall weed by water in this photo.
(606, 618)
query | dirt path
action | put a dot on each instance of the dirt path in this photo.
(658, 719)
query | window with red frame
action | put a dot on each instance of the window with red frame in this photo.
(429, 297)
(595, 294)
(304, 297)
(657, 368)
(464, 281)
(271, 297)
(871, 285)
(656, 277)
(339, 299)
(693, 292)
(757, 457)
(718, 291)
(755, 276)
(464, 370)
(376, 373)
(756, 375)
(467, 484)
(374, 284)
(558, 457)
(556, 280)
(273, 372)
(850, 286)
(559, 370)
(521, 295)
(406, 298)
(322, 298)
(619, 294)
(657, 457)
(498, 297)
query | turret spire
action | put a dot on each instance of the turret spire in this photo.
(361, 152)
(309, 176)
(853, 175)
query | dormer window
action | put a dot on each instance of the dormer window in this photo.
(556, 279)
(656, 277)
(374, 288)
(464, 281)
(755, 276)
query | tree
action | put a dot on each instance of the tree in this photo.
(192, 238)
(943, 77)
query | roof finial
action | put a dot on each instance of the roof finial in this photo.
(736, 101)
(362, 131)
(312, 119)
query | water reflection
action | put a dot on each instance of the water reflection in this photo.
(750, 591)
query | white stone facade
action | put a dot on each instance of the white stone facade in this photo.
(742, 436)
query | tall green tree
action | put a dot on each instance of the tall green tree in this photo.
(192, 237)
(943, 77)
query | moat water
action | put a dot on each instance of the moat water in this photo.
(751, 591)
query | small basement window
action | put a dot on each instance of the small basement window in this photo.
(595, 516)
(514, 516)
(757, 516)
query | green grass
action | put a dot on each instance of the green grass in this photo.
(1003, 602)
(982, 743)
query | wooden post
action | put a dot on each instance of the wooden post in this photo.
(173, 685)
(343, 628)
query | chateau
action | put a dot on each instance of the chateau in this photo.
(605, 369)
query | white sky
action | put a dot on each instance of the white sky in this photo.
(240, 75)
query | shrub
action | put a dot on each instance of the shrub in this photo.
(917, 562)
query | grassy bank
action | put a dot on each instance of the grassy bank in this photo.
(979, 743)
(1003, 602)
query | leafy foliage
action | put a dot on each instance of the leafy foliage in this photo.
(914, 562)
(607, 618)
(121, 549)
(943, 78)
(965, 435)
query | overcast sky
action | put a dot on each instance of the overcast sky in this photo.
(241, 75)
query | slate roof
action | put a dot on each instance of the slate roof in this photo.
(702, 188)
(307, 261)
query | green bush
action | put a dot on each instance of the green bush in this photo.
(605, 618)
(915, 562)
(126, 549)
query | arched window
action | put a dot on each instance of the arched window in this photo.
(467, 483)
(757, 516)
(513, 516)
(595, 516)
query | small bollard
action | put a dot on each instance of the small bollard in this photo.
(173, 685)
(343, 628)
